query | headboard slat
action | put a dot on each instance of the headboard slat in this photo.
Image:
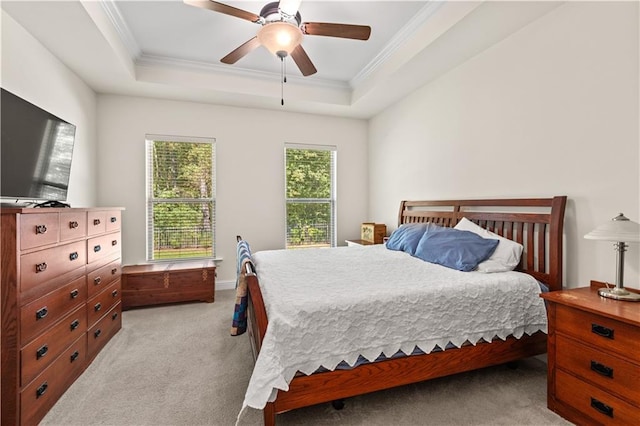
(537, 223)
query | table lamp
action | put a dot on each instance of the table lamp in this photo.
(620, 230)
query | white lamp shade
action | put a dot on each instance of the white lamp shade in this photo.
(280, 36)
(618, 229)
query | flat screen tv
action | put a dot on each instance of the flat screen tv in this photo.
(36, 149)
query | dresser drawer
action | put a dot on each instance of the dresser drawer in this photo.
(103, 246)
(590, 400)
(102, 277)
(40, 314)
(102, 302)
(96, 222)
(113, 220)
(107, 327)
(37, 398)
(599, 331)
(606, 371)
(43, 265)
(73, 225)
(39, 229)
(43, 350)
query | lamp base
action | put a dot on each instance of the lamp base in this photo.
(619, 294)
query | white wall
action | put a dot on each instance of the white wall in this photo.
(33, 73)
(551, 110)
(249, 167)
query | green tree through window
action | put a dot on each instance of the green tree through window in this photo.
(310, 196)
(180, 198)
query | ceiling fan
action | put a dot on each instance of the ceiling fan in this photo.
(282, 31)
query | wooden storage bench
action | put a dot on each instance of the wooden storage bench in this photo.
(159, 283)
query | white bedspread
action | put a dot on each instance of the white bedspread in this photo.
(329, 305)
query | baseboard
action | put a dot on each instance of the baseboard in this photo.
(225, 285)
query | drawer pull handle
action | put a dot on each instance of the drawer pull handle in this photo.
(41, 313)
(97, 333)
(97, 280)
(113, 219)
(75, 324)
(74, 356)
(97, 307)
(114, 316)
(601, 407)
(74, 293)
(41, 390)
(114, 242)
(42, 351)
(114, 271)
(601, 369)
(602, 331)
(41, 267)
(73, 224)
(114, 293)
(73, 256)
(97, 248)
(41, 229)
(96, 222)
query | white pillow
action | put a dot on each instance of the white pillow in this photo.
(506, 256)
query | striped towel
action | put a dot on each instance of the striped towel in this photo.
(239, 324)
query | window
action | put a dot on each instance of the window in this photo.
(310, 195)
(180, 197)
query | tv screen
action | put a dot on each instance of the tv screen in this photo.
(36, 150)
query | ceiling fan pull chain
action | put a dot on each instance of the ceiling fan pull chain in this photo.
(282, 80)
(283, 72)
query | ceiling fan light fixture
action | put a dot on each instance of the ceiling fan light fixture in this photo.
(280, 36)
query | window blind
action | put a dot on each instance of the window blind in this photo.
(180, 197)
(310, 195)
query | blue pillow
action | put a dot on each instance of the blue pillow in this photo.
(453, 248)
(407, 236)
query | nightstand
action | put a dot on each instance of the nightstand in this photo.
(593, 357)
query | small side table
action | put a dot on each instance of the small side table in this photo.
(593, 357)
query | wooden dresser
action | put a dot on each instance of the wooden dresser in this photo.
(60, 302)
(593, 357)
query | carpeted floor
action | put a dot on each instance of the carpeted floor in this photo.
(177, 365)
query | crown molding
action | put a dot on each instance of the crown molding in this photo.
(142, 59)
(154, 61)
(121, 27)
(423, 15)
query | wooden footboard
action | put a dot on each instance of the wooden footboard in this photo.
(540, 233)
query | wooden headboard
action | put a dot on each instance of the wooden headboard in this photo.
(536, 223)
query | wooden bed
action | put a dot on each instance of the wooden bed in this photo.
(536, 223)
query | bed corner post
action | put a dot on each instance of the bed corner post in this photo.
(269, 414)
(555, 244)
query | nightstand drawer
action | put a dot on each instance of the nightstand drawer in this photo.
(607, 371)
(594, 402)
(599, 331)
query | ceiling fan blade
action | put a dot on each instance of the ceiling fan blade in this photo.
(290, 7)
(241, 51)
(223, 8)
(303, 62)
(358, 32)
